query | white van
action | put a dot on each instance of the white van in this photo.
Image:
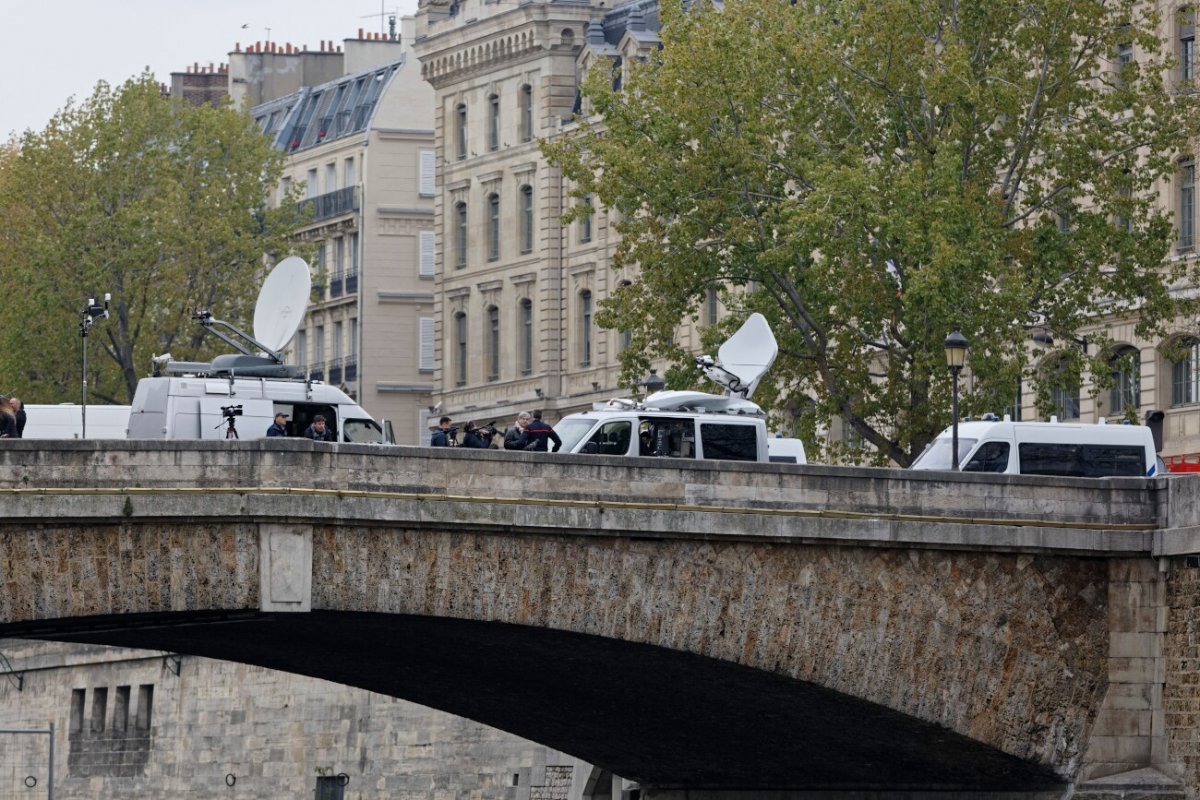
(65, 421)
(1046, 448)
(199, 407)
(689, 424)
(785, 450)
(662, 429)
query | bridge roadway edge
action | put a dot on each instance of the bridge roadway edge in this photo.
(409, 493)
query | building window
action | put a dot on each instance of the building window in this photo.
(349, 173)
(460, 114)
(319, 346)
(1187, 44)
(1185, 376)
(1187, 206)
(526, 336)
(354, 339)
(526, 219)
(710, 307)
(493, 315)
(1064, 392)
(352, 246)
(339, 257)
(460, 349)
(330, 178)
(585, 224)
(493, 123)
(1014, 411)
(337, 341)
(585, 328)
(302, 349)
(525, 99)
(1126, 392)
(310, 185)
(425, 336)
(460, 235)
(493, 230)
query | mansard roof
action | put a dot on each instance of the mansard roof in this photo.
(316, 115)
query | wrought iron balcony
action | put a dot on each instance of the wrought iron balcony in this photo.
(336, 286)
(351, 370)
(331, 204)
(335, 371)
(351, 283)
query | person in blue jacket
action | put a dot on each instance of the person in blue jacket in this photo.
(279, 426)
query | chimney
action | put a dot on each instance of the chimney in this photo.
(360, 33)
(237, 47)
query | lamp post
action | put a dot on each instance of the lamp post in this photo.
(956, 356)
(91, 312)
(653, 382)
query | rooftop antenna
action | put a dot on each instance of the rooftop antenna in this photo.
(386, 16)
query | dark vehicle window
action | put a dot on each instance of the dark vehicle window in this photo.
(730, 442)
(612, 439)
(668, 438)
(990, 457)
(1083, 460)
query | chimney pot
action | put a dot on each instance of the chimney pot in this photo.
(360, 33)
(237, 47)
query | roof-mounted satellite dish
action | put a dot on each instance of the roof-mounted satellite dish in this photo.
(744, 358)
(282, 302)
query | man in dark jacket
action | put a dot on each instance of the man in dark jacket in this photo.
(279, 427)
(476, 437)
(443, 435)
(19, 412)
(319, 431)
(538, 435)
(512, 436)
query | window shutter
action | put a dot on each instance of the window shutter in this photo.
(427, 166)
(426, 343)
(427, 253)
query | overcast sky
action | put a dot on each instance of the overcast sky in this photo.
(53, 49)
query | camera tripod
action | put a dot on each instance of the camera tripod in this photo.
(231, 429)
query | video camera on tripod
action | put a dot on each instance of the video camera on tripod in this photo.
(228, 413)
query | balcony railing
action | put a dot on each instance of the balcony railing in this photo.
(331, 204)
(351, 369)
(336, 286)
(335, 371)
(351, 283)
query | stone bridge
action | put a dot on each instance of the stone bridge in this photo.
(710, 631)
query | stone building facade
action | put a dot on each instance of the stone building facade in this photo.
(136, 723)
(360, 149)
(517, 289)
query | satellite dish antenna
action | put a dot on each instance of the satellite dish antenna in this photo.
(282, 303)
(744, 358)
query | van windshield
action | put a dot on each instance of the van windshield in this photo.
(938, 454)
(364, 431)
(572, 431)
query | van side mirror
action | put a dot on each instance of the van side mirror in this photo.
(389, 435)
(1154, 421)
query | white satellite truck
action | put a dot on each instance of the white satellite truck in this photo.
(1045, 448)
(65, 421)
(689, 424)
(237, 396)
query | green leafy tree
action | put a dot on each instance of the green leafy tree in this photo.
(160, 203)
(874, 175)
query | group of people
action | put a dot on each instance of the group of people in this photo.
(12, 418)
(318, 431)
(529, 432)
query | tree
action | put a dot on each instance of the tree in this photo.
(874, 175)
(160, 203)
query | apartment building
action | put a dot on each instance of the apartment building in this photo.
(356, 122)
(517, 290)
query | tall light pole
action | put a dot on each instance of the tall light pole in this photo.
(956, 356)
(91, 312)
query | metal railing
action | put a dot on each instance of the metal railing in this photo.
(331, 204)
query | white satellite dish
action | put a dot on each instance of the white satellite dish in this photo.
(282, 303)
(744, 358)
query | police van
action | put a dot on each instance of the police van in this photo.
(1046, 448)
(688, 424)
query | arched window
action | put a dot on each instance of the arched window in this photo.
(460, 235)
(526, 219)
(493, 229)
(1064, 391)
(585, 328)
(525, 100)
(493, 122)
(460, 114)
(568, 37)
(493, 315)
(460, 349)
(1126, 392)
(526, 336)
(1185, 375)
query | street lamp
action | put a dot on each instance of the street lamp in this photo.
(91, 312)
(956, 356)
(653, 382)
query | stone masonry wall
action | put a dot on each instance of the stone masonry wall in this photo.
(225, 730)
(1181, 687)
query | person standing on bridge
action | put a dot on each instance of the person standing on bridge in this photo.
(8, 419)
(443, 435)
(319, 431)
(279, 426)
(19, 413)
(538, 435)
(512, 436)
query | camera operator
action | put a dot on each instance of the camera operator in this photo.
(444, 435)
(479, 438)
(319, 431)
